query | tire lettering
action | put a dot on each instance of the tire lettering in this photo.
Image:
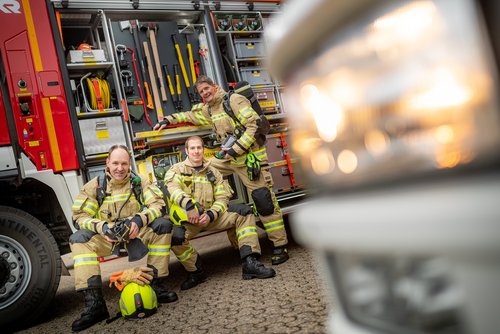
(37, 243)
(22, 229)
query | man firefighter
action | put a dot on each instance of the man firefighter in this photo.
(112, 212)
(198, 192)
(238, 153)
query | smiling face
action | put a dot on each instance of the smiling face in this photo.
(118, 163)
(206, 91)
(195, 150)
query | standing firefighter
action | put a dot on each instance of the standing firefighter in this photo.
(241, 154)
(199, 197)
(111, 212)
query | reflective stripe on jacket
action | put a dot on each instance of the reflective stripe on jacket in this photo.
(89, 216)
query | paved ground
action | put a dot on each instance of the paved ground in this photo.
(292, 302)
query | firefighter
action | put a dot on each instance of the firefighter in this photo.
(199, 191)
(132, 204)
(235, 159)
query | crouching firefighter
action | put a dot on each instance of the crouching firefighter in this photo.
(115, 211)
(199, 197)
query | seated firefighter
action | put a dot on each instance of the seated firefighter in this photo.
(199, 189)
(112, 212)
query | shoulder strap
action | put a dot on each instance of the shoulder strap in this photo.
(135, 182)
(102, 184)
(227, 108)
(100, 192)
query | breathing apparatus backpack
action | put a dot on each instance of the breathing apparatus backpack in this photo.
(102, 184)
(243, 88)
(138, 302)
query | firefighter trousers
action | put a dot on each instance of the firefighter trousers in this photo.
(265, 202)
(87, 246)
(246, 235)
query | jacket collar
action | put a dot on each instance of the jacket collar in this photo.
(205, 165)
(219, 96)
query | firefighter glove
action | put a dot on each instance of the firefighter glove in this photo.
(139, 275)
(105, 229)
(253, 167)
(164, 122)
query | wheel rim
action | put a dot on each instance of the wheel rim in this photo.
(15, 270)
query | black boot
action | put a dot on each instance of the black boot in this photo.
(95, 310)
(163, 294)
(194, 277)
(253, 268)
(280, 255)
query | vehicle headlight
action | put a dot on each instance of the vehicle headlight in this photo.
(410, 89)
(398, 294)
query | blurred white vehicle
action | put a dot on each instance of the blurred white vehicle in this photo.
(396, 120)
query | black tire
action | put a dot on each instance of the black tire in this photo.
(30, 267)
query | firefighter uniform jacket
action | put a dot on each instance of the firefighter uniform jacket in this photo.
(214, 114)
(206, 186)
(88, 215)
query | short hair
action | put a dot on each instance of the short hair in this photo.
(193, 138)
(117, 146)
(204, 79)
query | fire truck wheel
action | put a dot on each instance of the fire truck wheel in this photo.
(30, 267)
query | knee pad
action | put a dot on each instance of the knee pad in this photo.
(178, 235)
(161, 225)
(81, 236)
(263, 201)
(241, 209)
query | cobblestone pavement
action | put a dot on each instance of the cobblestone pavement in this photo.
(292, 302)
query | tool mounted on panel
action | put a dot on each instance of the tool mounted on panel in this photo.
(132, 25)
(141, 93)
(156, 96)
(172, 89)
(192, 95)
(152, 30)
(177, 78)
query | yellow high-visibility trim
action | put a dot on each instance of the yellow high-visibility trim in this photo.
(35, 50)
(158, 246)
(186, 254)
(246, 235)
(51, 132)
(86, 263)
(159, 253)
(84, 255)
(47, 111)
(274, 228)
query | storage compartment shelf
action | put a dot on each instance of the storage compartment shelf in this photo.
(89, 66)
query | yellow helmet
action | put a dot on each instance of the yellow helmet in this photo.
(137, 302)
(178, 215)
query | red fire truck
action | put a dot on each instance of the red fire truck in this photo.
(79, 76)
